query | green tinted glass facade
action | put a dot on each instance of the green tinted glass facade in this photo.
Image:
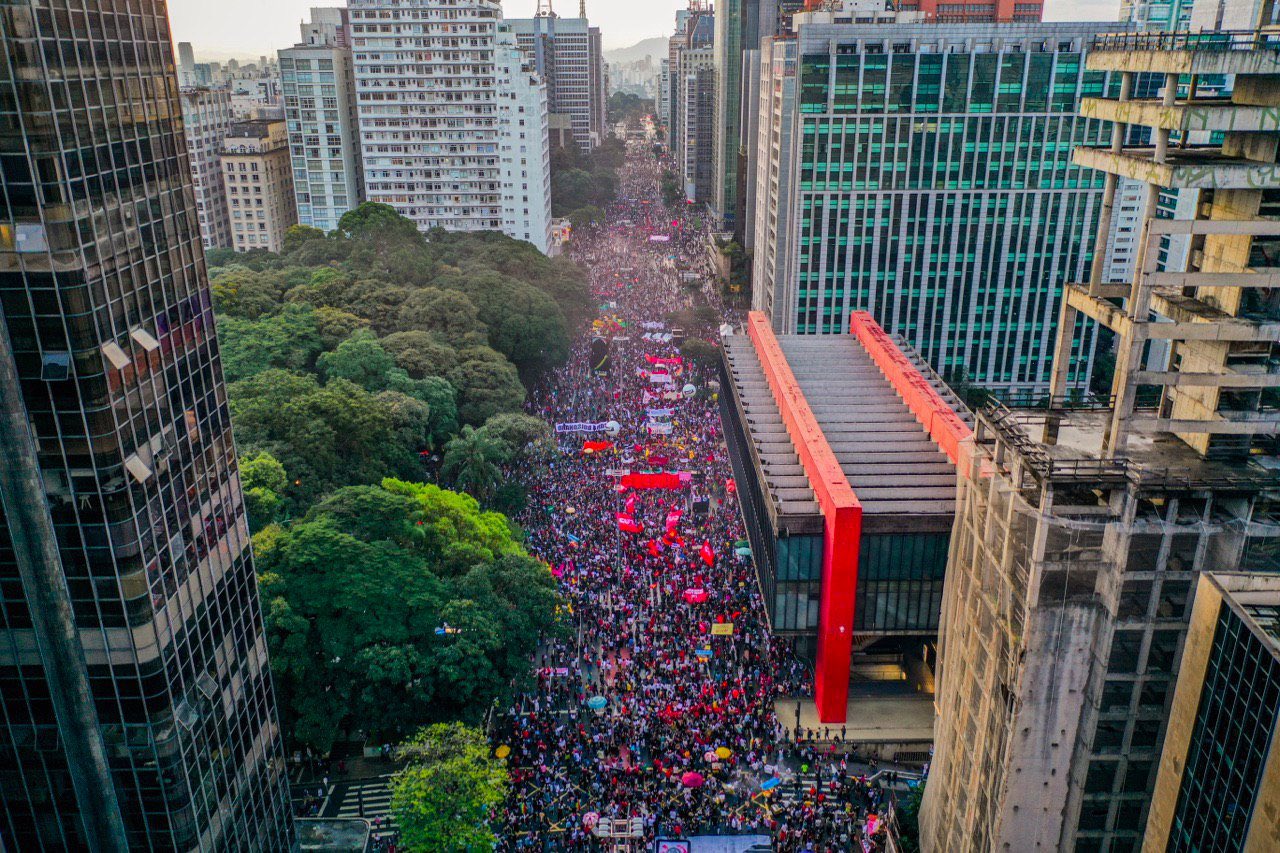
(934, 187)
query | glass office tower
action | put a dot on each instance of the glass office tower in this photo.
(137, 699)
(927, 178)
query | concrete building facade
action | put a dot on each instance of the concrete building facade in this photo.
(695, 104)
(427, 103)
(318, 82)
(1085, 522)
(525, 151)
(206, 118)
(135, 690)
(259, 181)
(567, 54)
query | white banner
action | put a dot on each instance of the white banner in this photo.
(582, 427)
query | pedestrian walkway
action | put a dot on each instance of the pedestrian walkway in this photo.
(364, 798)
(667, 663)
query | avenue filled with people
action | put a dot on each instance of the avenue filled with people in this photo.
(656, 716)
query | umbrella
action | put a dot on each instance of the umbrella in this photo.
(502, 751)
(692, 780)
(595, 703)
(770, 784)
(723, 752)
(742, 552)
(709, 756)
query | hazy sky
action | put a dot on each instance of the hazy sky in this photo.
(254, 27)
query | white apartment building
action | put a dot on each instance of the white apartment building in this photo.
(206, 118)
(524, 150)
(567, 54)
(320, 112)
(427, 105)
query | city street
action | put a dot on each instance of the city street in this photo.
(661, 705)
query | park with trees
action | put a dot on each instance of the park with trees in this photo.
(360, 363)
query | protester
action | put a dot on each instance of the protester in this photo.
(647, 690)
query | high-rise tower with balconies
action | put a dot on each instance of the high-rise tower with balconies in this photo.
(1084, 523)
(138, 711)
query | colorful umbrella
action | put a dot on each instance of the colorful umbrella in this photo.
(692, 780)
(502, 751)
(770, 784)
(595, 703)
(723, 752)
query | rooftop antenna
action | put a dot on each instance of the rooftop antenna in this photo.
(582, 9)
(545, 10)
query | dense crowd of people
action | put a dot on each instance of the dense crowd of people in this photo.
(660, 706)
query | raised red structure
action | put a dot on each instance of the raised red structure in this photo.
(939, 419)
(846, 449)
(843, 528)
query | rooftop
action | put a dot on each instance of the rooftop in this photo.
(1151, 458)
(1255, 597)
(891, 462)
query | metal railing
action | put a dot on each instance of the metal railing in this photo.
(1217, 41)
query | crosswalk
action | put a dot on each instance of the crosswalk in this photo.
(370, 799)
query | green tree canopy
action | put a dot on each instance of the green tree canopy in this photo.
(421, 354)
(524, 324)
(325, 436)
(445, 796)
(360, 593)
(473, 460)
(487, 385)
(264, 482)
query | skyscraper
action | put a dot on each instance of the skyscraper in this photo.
(1084, 522)
(206, 119)
(524, 124)
(691, 115)
(137, 701)
(427, 103)
(186, 64)
(567, 54)
(1218, 786)
(318, 83)
(924, 174)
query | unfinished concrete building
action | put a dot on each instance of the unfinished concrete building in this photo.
(1082, 525)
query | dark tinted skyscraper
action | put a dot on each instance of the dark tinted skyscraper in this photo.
(137, 704)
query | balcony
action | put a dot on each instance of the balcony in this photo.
(1241, 52)
(1200, 115)
(1183, 168)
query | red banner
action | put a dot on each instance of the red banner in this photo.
(595, 446)
(652, 481)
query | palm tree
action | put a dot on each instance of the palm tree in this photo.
(471, 461)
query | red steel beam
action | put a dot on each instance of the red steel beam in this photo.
(944, 426)
(842, 531)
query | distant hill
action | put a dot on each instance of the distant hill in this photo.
(655, 47)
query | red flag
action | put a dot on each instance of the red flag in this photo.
(673, 519)
(654, 548)
(627, 524)
(631, 505)
(707, 554)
